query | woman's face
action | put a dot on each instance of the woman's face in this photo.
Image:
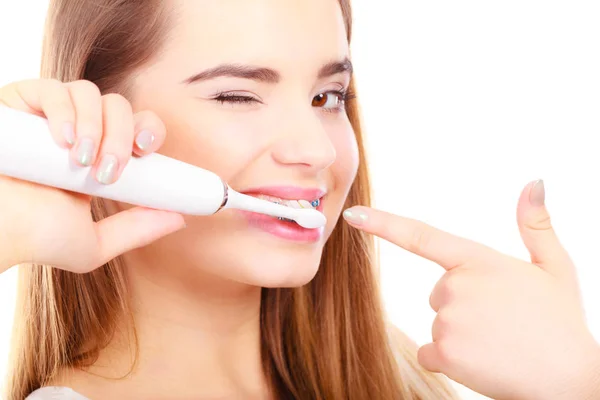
(252, 90)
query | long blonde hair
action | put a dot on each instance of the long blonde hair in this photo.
(326, 340)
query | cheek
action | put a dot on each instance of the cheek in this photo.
(346, 163)
(220, 144)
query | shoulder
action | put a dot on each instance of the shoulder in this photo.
(55, 393)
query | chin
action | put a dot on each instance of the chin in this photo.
(236, 252)
(281, 269)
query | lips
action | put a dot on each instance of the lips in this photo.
(293, 197)
(288, 193)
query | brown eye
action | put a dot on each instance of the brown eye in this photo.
(328, 100)
(320, 100)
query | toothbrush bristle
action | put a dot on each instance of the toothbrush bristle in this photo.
(285, 219)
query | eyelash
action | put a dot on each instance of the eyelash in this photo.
(235, 98)
(344, 95)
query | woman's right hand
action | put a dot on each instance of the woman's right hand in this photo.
(44, 225)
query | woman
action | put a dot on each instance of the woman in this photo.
(150, 304)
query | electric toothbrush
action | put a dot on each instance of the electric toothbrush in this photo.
(28, 152)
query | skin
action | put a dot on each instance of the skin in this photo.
(196, 301)
(531, 344)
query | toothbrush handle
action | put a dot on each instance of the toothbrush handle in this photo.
(28, 152)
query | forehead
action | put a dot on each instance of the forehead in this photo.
(276, 32)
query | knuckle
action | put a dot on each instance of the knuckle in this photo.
(24, 85)
(64, 106)
(118, 101)
(55, 99)
(541, 222)
(85, 87)
(54, 82)
(443, 322)
(87, 106)
(427, 357)
(13, 94)
(446, 352)
(420, 238)
(51, 86)
(121, 151)
(445, 292)
(450, 289)
(8, 87)
(433, 300)
(89, 127)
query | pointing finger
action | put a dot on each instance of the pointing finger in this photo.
(436, 245)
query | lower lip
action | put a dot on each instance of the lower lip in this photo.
(284, 229)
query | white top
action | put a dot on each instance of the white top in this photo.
(55, 393)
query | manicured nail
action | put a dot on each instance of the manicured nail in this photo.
(69, 133)
(355, 216)
(144, 140)
(107, 170)
(537, 194)
(85, 151)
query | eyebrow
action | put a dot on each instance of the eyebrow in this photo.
(266, 75)
(336, 67)
(236, 71)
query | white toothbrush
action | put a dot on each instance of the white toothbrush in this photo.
(28, 152)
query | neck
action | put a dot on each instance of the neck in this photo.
(198, 335)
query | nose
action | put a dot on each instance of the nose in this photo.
(303, 140)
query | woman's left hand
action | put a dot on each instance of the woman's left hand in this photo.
(506, 328)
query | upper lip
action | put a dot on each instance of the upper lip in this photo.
(288, 192)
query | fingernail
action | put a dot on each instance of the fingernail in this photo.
(107, 170)
(69, 133)
(85, 151)
(537, 194)
(355, 216)
(144, 140)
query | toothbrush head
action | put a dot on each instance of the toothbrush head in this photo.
(309, 218)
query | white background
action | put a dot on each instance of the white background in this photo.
(464, 103)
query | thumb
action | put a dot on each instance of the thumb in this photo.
(537, 232)
(133, 228)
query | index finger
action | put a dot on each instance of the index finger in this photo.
(443, 248)
(46, 98)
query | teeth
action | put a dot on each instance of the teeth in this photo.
(304, 204)
(292, 203)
